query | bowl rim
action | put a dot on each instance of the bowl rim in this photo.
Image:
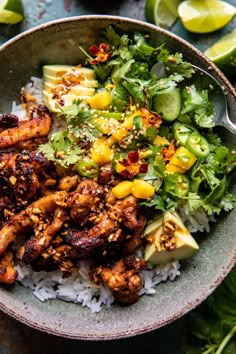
(211, 286)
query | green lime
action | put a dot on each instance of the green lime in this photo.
(11, 11)
(162, 12)
(204, 16)
(223, 52)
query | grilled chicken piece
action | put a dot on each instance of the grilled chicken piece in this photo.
(85, 200)
(105, 174)
(43, 234)
(68, 183)
(31, 144)
(62, 256)
(27, 129)
(135, 238)
(7, 272)
(126, 212)
(8, 120)
(19, 175)
(86, 241)
(28, 219)
(123, 278)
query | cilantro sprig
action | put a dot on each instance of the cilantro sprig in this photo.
(63, 147)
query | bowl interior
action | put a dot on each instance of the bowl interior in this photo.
(58, 42)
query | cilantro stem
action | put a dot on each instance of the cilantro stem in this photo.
(226, 340)
(209, 350)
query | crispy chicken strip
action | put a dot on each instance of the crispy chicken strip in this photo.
(7, 272)
(85, 200)
(123, 278)
(29, 218)
(34, 246)
(27, 129)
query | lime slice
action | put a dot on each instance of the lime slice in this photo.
(162, 12)
(204, 16)
(223, 52)
(11, 11)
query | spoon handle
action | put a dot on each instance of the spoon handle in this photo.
(227, 123)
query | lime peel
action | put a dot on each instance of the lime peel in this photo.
(205, 16)
(223, 52)
(11, 11)
(162, 12)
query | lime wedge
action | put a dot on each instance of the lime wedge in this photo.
(223, 52)
(161, 12)
(204, 16)
(11, 11)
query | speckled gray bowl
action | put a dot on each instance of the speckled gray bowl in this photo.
(58, 42)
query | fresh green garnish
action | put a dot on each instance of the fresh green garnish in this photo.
(61, 149)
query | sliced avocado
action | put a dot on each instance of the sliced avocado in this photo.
(60, 70)
(77, 90)
(153, 226)
(54, 104)
(53, 81)
(56, 70)
(185, 247)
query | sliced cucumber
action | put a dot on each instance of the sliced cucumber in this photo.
(168, 104)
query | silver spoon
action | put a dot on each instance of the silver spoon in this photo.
(219, 101)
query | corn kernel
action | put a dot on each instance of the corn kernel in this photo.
(122, 189)
(142, 189)
(101, 153)
(100, 100)
(183, 158)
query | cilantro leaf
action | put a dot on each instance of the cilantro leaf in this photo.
(198, 107)
(156, 203)
(174, 63)
(61, 149)
(80, 121)
(163, 85)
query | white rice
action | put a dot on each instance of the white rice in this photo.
(78, 288)
(34, 88)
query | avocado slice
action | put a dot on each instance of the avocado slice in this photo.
(52, 81)
(59, 70)
(77, 90)
(185, 245)
(53, 104)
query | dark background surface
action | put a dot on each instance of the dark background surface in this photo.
(16, 338)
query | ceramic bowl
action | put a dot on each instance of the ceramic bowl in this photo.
(58, 42)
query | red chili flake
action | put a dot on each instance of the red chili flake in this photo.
(133, 156)
(150, 118)
(100, 53)
(133, 165)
